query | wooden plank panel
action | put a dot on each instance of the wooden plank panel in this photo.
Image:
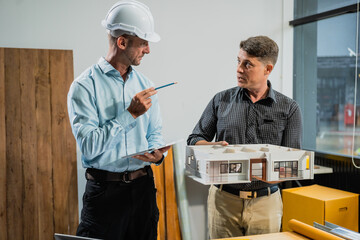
(43, 119)
(31, 106)
(28, 61)
(172, 217)
(63, 184)
(159, 179)
(58, 114)
(71, 159)
(3, 227)
(14, 179)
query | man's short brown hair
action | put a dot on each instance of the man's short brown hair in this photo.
(262, 47)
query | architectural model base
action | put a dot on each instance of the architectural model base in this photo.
(215, 164)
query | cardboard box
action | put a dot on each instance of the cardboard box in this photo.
(319, 204)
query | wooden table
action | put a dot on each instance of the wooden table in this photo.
(272, 236)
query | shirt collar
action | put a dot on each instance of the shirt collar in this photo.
(271, 93)
(106, 67)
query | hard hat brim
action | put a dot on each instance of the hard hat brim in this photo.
(152, 38)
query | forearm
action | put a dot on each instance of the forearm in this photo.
(203, 142)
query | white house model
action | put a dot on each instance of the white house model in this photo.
(215, 164)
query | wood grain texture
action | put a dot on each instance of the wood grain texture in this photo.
(172, 216)
(3, 227)
(71, 159)
(38, 183)
(43, 140)
(160, 199)
(14, 173)
(64, 171)
(28, 61)
(168, 226)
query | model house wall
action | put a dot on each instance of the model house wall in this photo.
(214, 164)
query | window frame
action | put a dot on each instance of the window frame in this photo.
(353, 8)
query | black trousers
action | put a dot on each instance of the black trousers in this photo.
(118, 210)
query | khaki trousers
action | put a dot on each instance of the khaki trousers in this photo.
(232, 216)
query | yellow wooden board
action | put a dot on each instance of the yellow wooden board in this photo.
(272, 236)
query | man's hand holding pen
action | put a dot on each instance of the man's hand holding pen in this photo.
(141, 102)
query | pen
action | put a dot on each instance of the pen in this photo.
(166, 85)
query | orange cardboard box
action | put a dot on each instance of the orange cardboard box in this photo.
(316, 203)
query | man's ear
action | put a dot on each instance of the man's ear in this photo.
(268, 69)
(121, 42)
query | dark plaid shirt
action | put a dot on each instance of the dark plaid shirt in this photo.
(232, 117)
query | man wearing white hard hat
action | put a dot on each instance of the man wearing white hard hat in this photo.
(114, 112)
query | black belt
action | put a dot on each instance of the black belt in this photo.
(251, 193)
(127, 177)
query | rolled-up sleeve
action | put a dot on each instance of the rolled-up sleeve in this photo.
(292, 135)
(205, 129)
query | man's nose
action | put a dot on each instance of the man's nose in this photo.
(239, 68)
(147, 49)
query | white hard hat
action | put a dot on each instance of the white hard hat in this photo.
(133, 18)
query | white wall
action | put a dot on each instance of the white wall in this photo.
(199, 46)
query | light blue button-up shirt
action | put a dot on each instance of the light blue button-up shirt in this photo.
(103, 127)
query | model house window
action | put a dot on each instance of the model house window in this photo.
(326, 69)
(230, 168)
(286, 169)
(224, 168)
(235, 168)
